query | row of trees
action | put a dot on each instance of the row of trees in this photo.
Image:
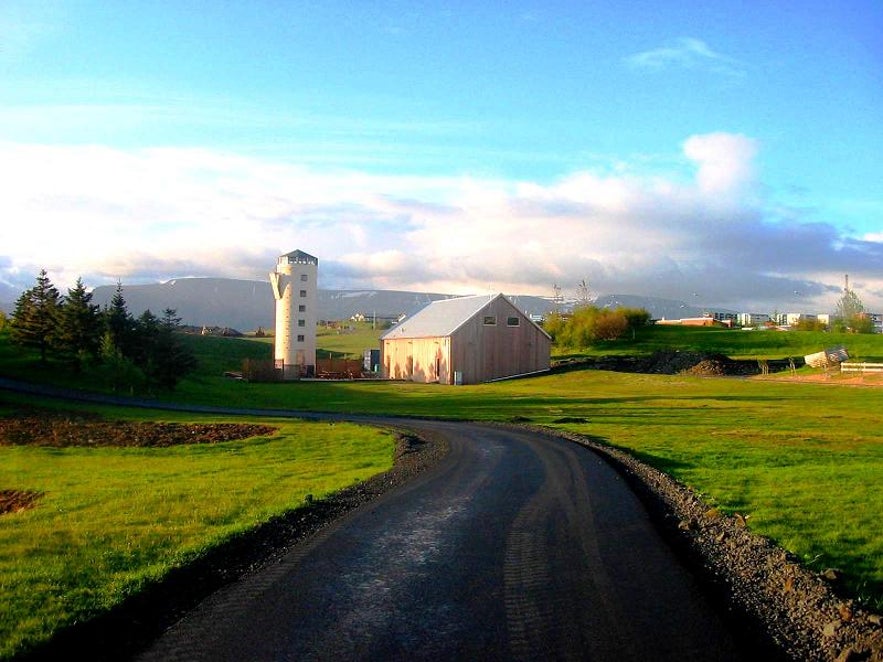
(588, 324)
(131, 352)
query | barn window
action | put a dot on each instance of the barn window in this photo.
(512, 321)
(490, 320)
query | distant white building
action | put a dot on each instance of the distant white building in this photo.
(296, 291)
(752, 319)
(792, 319)
(877, 319)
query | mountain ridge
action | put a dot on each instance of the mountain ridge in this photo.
(246, 305)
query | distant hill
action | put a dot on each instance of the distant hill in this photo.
(247, 304)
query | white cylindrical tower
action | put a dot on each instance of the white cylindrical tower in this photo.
(296, 291)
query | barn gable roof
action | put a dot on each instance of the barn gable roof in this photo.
(443, 317)
(440, 318)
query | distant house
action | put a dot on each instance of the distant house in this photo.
(466, 340)
(697, 321)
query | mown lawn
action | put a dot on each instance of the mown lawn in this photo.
(113, 519)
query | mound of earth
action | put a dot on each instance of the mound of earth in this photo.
(674, 362)
(64, 428)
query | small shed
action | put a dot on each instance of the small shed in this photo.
(465, 340)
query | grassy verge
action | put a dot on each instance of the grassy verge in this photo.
(113, 519)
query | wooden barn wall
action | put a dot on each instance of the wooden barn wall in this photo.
(417, 359)
(477, 351)
(482, 352)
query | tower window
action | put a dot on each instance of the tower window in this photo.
(301, 308)
(300, 338)
(303, 294)
(301, 322)
(303, 278)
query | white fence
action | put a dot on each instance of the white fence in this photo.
(861, 367)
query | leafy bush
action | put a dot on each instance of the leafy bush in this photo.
(590, 324)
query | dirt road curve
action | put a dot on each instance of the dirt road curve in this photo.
(514, 547)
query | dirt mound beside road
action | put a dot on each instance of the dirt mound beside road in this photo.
(674, 362)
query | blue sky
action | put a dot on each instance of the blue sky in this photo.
(728, 153)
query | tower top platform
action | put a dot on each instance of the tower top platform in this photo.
(297, 257)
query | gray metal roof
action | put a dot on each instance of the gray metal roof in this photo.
(440, 318)
(300, 256)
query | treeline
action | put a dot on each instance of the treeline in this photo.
(590, 324)
(129, 353)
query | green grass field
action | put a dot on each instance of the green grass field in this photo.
(113, 519)
(803, 461)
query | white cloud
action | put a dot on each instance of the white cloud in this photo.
(145, 215)
(725, 162)
(686, 53)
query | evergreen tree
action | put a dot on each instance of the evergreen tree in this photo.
(79, 328)
(120, 324)
(146, 338)
(35, 319)
(174, 359)
(118, 371)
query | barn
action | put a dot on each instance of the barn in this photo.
(466, 340)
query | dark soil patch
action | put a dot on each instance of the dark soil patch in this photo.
(674, 362)
(15, 501)
(61, 429)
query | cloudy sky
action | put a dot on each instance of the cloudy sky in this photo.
(721, 153)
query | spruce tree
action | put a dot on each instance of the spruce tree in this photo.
(79, 328)
(35, 319)
(172, 358)
(146, 344)
(120, 324)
